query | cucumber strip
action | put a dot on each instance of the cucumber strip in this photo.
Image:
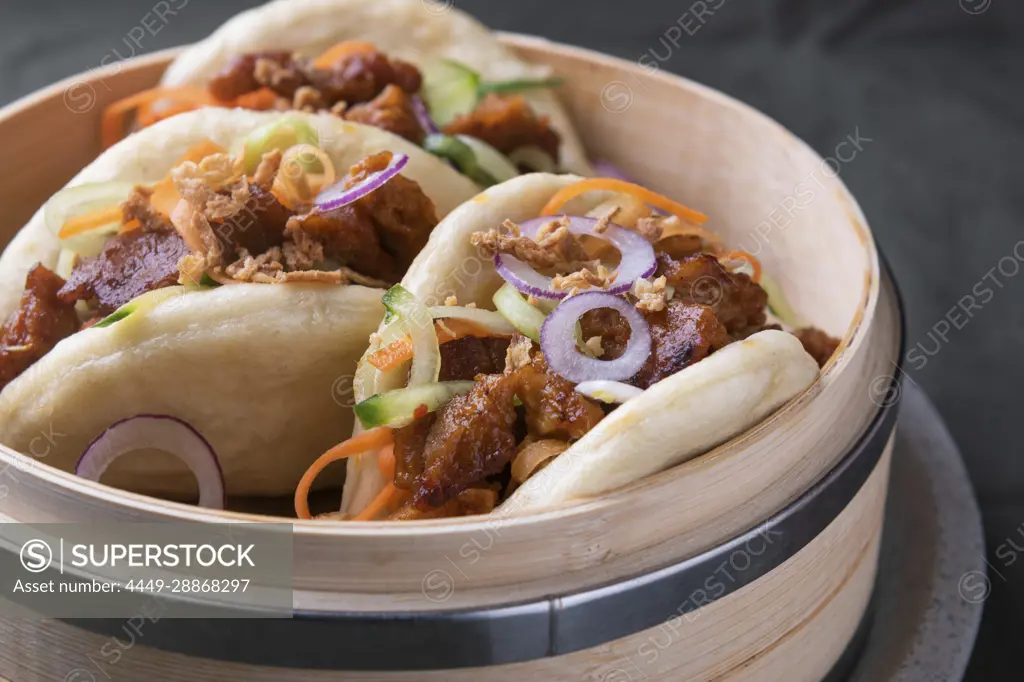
(489, 160)
(486, 319)
(141, 304)
(92, 242)
(400, 407)
(415, 318)
(518, 85)
(75, 201)
(778, 305)
(514, 308)
(460, 154)
(281, 134)
(65, 263)
(450, 89)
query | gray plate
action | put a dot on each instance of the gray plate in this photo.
(932, 580)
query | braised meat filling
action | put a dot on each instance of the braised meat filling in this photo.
(817, 343)
(246, 234)
(41, 321)
(391, 110)
(130, 264)
(366, 87)
(353, 79)
(463, 359)
(507, 123)
(371, 88)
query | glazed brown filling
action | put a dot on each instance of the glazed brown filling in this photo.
(34, 329)
(373, 89)
(468, 446)
(247, 235)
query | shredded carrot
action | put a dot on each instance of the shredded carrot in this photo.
(357, 445)
(258, 100)
(386, 462)
(398, 500)
(90, 221)
(401, 350)
(379, 504)
(112, 123)
(566, 194)
(336, 53)
(743, 255)
(165, 195)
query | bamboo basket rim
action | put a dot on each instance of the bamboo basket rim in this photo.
(170, 510)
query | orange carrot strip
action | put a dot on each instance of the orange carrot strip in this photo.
(90, 221)
(743, 255)
(357, 445)
(380, 503)
(564, 195)
(336, 53)
(399, 500)
(258, 100)
(401, 350)
(112, 122)
(165, 194)
(386, 462)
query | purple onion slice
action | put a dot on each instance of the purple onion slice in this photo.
(638, 259)
(558, 340)
(337, 195)
(423, 116)
(157, 432)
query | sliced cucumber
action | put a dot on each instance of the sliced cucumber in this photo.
(461, 155)
(415, 317)
(92, 242)
(778, 305)
(490, 160)
(75, 201)
(518, 85)
(450, 89)
(65, 263)
(485, 319)
(514, 308)
(400, 407)
(281, 134)
(141, 304)
(477, 160)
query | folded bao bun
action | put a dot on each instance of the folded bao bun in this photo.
(263, 371)
(680, 417)
(418, 31)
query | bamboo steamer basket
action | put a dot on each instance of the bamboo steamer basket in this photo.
(615, 588)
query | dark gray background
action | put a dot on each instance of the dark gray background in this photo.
(935, 84)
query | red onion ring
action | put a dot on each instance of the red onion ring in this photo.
(638, 259)
(337, 195)
(157, 432)
(423, 116)
(558, 340)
